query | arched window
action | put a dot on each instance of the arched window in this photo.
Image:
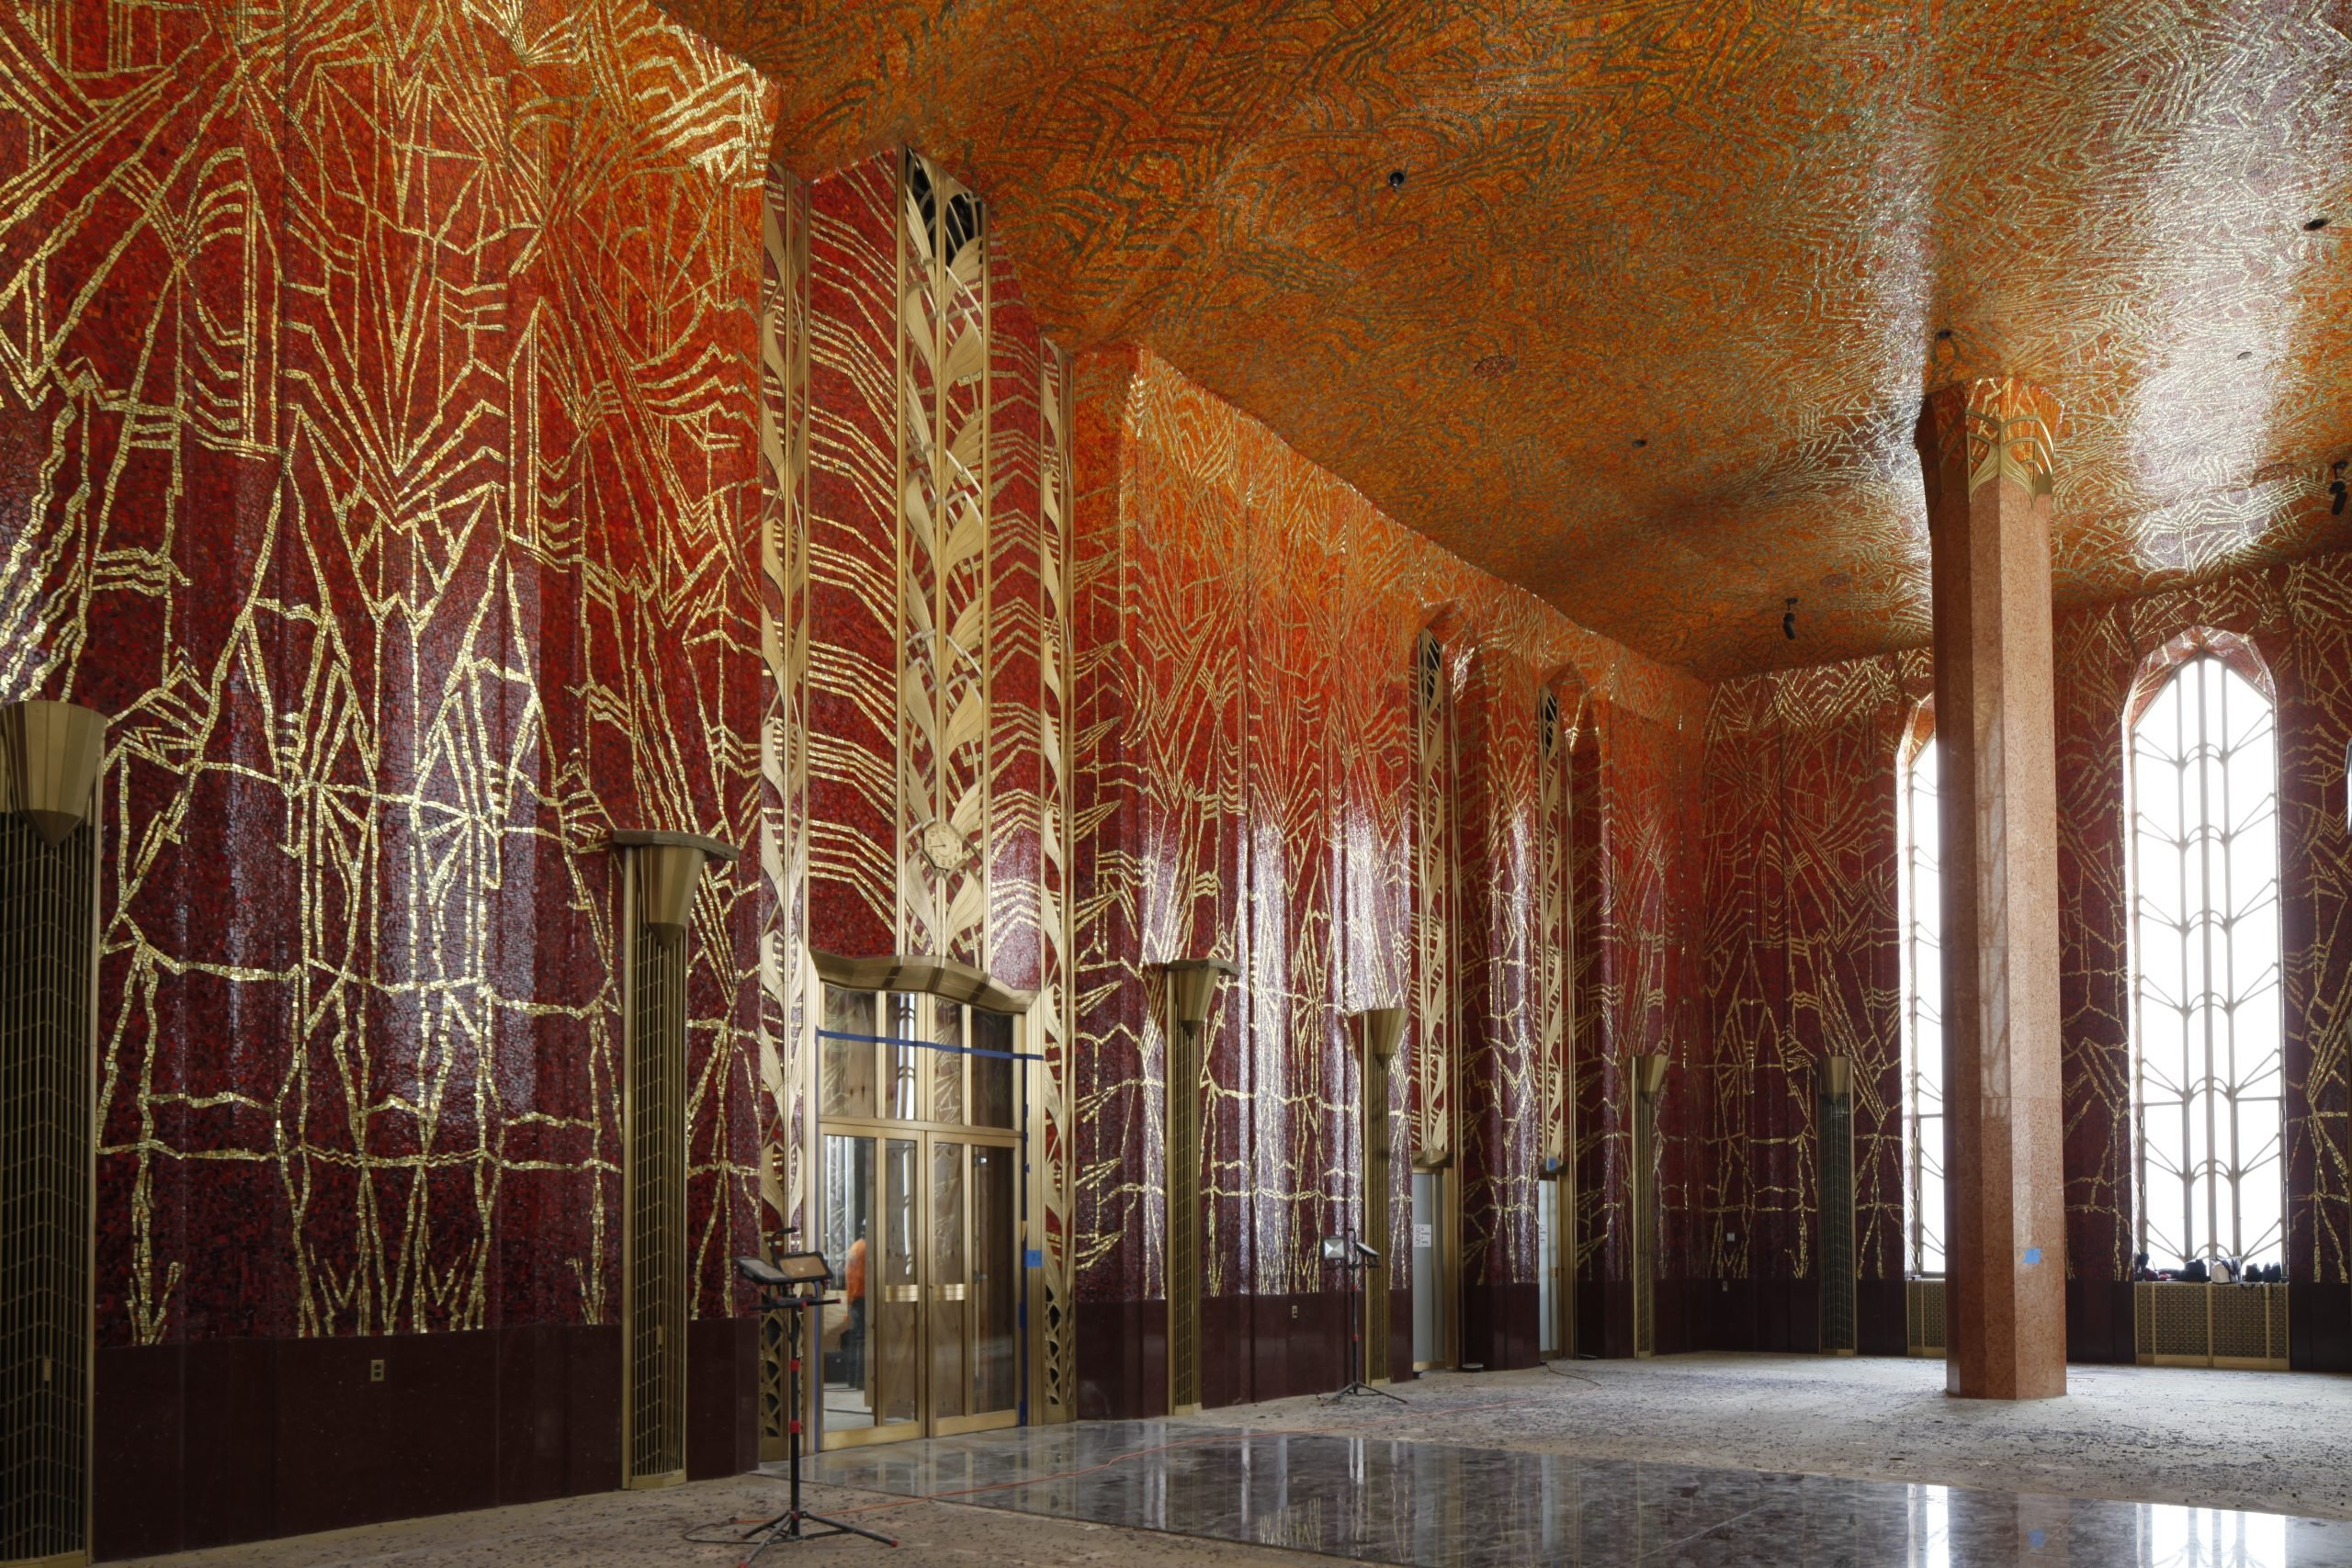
(1919, 890)
(2206, 1026)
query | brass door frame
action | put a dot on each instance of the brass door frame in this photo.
(924, 1133)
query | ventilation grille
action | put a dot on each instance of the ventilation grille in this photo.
(2182, 1324)
(47, 938)
(1644, 1221)
(1183, 1220)
(1923, 1316)
(657, 1210)
(1836, 1124)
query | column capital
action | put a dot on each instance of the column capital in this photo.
(1971, 433)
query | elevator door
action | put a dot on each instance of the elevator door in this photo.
(1428, 1320)
(919, 1194)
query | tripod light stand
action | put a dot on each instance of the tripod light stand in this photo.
(795, 1284)
(1354, 1257)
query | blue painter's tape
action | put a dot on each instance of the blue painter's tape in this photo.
(1032, 1259)
(2032, 1256)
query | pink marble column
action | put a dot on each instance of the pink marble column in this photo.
(1985, 446)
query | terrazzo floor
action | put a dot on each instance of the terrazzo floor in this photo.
(2280, 1442)
(1801, 1435)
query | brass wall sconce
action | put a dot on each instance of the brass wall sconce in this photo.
(1383, 1029)
(660, 873)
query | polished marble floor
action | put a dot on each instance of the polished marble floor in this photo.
(1441, 1506)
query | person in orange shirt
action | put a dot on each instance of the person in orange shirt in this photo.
(854, 1290)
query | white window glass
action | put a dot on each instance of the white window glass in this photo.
(2207, 1092)
(1921, 895)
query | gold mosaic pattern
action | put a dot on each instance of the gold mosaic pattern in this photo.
(1212, 557)
(918, 635)
(1433, 894)
(1799, 862)
(376, 470)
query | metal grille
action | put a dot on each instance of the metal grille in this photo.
(1645, 1221)
(1184, 1219)
(2184, 1324)
(48, 1043)
(657, 1209)
(1923, 1316)
(2209, 1090)
(1837, 1332)
(1377, 1173)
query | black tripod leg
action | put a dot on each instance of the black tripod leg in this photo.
(842, 1529)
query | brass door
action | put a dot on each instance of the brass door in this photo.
(919, 1198)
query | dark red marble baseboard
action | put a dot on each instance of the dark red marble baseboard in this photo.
(226, 1440)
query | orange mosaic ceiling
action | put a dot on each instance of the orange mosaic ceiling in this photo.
(1646, 325)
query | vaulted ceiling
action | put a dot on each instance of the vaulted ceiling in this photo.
(1647, 323)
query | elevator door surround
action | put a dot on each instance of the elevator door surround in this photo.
(918, 1197)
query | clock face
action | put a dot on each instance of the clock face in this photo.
(946, 848)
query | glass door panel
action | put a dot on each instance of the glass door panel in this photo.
(920, 1208)
(949, 1296)
(992, 1070)
(845, 1232)
(995, 1279)
(947, 1066)
(845, 1073)
(898, 1340)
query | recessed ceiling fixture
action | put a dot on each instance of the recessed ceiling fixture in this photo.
(2246, 354)
(1942, 334)
(1395, 179)
(2315, 225)
(1641, 440)
(1493, 366)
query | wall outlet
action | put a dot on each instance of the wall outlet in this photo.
(376, 1370)
(1294, 1312)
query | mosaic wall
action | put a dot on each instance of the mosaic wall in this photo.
(2296, 618)
(1251, 789)
(375, 464)
(1798, 859)
(918, 629)
(1799, 867)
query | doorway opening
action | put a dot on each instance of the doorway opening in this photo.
(920, 1204)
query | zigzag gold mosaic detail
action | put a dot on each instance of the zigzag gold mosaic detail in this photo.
(383, 479)
(919, 638)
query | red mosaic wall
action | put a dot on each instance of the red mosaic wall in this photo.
(1798, 856)
(1246, 632)
(1799, 865)
(375, 461)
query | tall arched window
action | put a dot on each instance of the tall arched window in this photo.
(1919, 889)
(2207, 1085)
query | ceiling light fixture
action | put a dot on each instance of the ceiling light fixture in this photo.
(1641, 440)
(1943, 335)
(1395, 179)
(2246, 354)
